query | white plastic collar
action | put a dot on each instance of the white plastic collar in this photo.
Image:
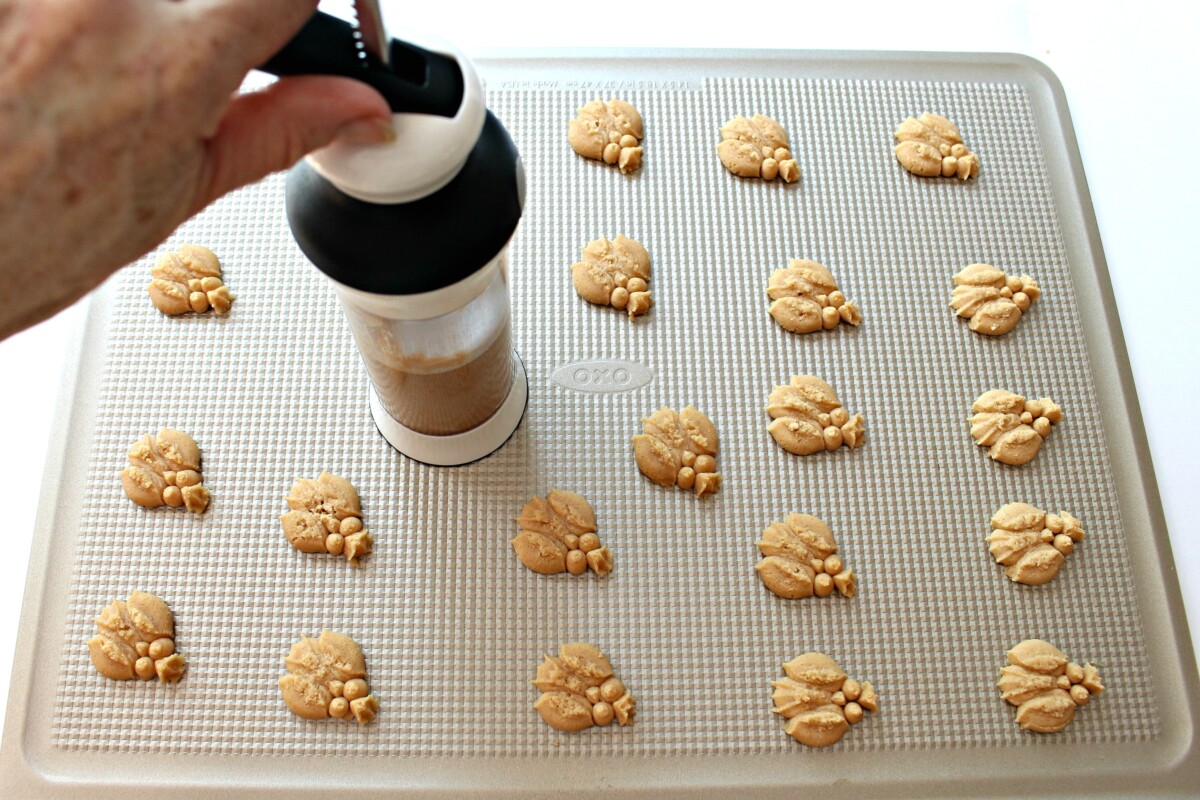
(425, 305)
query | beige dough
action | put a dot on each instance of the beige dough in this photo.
(165, 470)
(992, 301)
(808, 418)
(136, 639)
(327, 677)
(614, 273)
(800, 559)
(805, 298)
(1045, 686)
(679, 449)
(558, 534)
(608, 132)
(1011, 427)
(819, 702)
(757, 148)
(1032, 544)
(579, 690)
(326, 517)
(189, 280)
(931, 146)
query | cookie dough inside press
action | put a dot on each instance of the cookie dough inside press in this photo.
(610, 132)
(327, 677)
(1045, 686)
(136, 639)
(1031, 544)
(757, 148)
(819, 701)
(931, 146)
(189, 280)
(614, 273)
(800, 559)
(1011, 427)
(807, 417)
(991, 301)
(806, 298)
(679, 449)
(558, 534)
(165, 470)
(579, 690)
(326, 517)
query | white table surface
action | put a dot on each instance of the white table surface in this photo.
(1130, 77)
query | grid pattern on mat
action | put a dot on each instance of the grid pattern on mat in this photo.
(453, 626)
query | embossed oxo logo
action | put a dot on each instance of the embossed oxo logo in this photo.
(602, 376)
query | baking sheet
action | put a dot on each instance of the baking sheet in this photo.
(453, 626)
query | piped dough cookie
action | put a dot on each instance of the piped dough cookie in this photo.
(558, 534)
(327, 677)
(806, 298)
(819, 701)
(1046, 686)
(189, 280)
(991, 301)
(136, 639)
(679, 449)
(610, 132)
(757, 148)
(326, 517)
(614, 273)
(1011, 427)
(1031, 544)
(807, 417)
(579, 690)
(165, 470)
(800, 559)
(931, 146)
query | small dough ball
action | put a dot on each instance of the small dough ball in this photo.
(172, 496)
(589, 542)
(823, 585)
(160, 648)
(576, 562)
(612, 689)
(350, 525)
(339, 707)
(144, 668)
(602, 713)
(355, 689)
(705, 464)
(335, 543)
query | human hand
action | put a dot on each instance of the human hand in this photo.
(118, 121)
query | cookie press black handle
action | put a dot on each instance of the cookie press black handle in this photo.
(415, 80)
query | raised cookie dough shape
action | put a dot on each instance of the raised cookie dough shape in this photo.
(1046, 686)
(326, 517)
(189, 279)
(614, 273)
(608, 132)
(327, 677)
(1031, 544)
(757, 148)
(165, 470)
(931, 146)
(819, 702)
(679, 449)
(807, 417)
(806, 298)
(136, 639)
(1011, 427)
(991, 301)
(558, 534)
(579, 690)
(800, 559)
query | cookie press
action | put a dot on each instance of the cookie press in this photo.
(413, 234)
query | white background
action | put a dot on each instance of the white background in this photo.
(1132, 79)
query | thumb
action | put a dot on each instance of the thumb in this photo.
(269, 130)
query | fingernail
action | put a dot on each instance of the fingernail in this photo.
(367, 131)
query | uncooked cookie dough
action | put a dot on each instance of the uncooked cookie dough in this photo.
(327, 677)
(808, 418)
(806, 298)
(558, 534)
(189, 280)
(165, 470)
(679, 449)
(1045, 686)
(608, 132)
(931, 146)
(136, 639)
(326, 517)
(579, 690)
(800, 559)
(757, 148)
(614, 273)
(819, 702)
(1032, 544)
(992, 301)
(1011, 427)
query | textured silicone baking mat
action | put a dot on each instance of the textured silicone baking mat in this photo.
(453, 626)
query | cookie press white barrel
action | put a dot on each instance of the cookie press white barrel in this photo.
(414, 235)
